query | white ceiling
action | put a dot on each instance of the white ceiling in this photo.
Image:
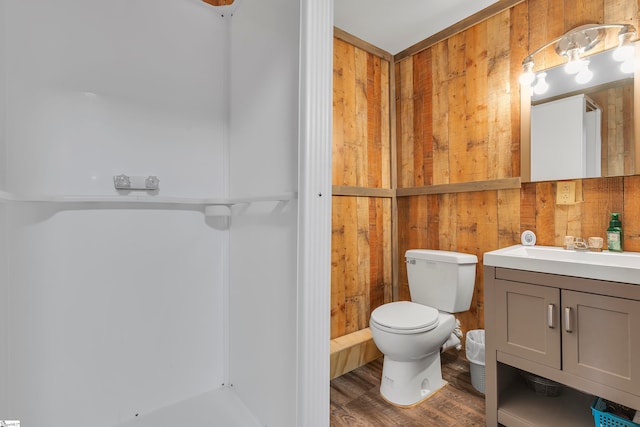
(394, 25)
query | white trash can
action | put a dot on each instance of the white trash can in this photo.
(474, 346)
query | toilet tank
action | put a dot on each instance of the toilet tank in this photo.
(441, 279)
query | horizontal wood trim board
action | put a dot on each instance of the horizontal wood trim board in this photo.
(463, 187)
(361, 44)
(345, 190)
(466, 23)
(352, 351)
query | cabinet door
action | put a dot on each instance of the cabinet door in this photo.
(528, 323)
(601, 341)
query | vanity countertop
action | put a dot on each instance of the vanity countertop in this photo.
(611, 266)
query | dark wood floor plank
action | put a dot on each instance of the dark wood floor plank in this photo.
(356, 399)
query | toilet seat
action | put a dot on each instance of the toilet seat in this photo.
(405, 317)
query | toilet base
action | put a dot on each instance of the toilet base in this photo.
(407, 383)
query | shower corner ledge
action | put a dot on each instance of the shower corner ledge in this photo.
(7, 197)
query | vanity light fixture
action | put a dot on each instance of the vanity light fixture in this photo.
(575, 43)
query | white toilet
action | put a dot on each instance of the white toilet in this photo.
(410, 334)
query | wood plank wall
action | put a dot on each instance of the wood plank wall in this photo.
(458, 121)
(361, 263)
(457, 129)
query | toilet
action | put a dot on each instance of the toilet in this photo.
(410, 334)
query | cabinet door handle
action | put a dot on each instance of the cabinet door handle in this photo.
(568, 324)
(550, 317)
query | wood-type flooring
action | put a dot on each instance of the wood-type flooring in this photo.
(356, 400)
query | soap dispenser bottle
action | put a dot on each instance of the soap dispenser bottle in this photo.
(614, 233)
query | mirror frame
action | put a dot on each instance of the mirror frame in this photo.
(525, 127)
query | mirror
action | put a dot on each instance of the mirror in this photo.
(555, 143)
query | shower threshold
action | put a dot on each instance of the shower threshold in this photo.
(221, 407)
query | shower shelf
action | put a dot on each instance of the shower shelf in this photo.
(6, 197)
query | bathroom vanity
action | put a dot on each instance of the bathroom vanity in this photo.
(571, 317)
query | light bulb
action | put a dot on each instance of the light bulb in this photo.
(624, 50)
(575, 64)
(541, 85)
(527, 77)
(573, 67)
(585, 74)
(628, 66)
(622, 53)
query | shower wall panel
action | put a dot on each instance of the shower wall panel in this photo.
(263, 253)
(3, 97)
(4, 312)
(114, 312)
(264, 98)
(98, 89)
(115, 309)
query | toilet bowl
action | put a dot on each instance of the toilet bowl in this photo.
(411, 334)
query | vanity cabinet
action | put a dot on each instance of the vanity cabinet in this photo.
(580, 332)
(527, 322)
(600, 339)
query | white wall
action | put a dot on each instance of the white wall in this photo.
(116, 310)
(113, 310)
(114, 87)
(3, 97)
(264, 97)
(4, 313)
(4, 317)
(263, 256)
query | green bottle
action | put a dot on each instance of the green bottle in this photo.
(614, 233)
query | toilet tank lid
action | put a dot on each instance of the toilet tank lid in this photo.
(441, 256)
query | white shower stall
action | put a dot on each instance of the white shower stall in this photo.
(203, 303)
